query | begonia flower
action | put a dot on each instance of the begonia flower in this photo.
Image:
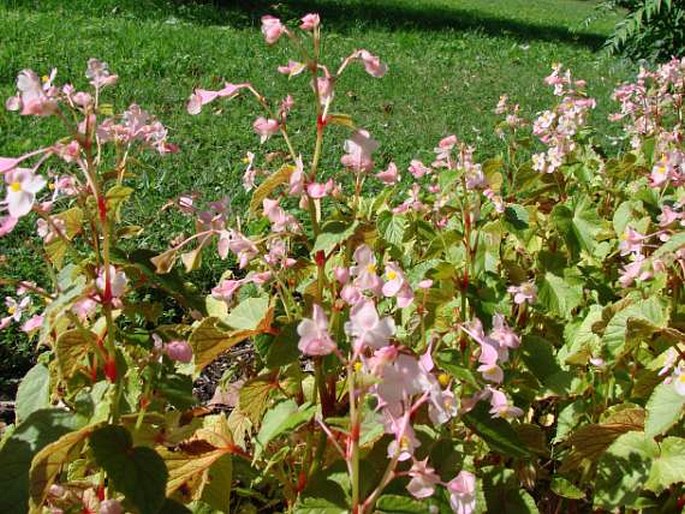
(310, 21)
(272, 28)
(265, 128)
(390, 176)
(525, 292)
(179, 351)
(372, 64)
(423, 479)
(462, 490)
(358, 151)
(314, 336)
(367, 328)
(22, 186)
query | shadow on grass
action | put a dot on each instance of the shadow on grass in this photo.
(340, 15)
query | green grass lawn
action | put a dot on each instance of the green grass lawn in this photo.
(449, 61)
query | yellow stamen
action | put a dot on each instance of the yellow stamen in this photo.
(371, 268)
(45, 78)
(15, 187)
(444, 379)
(391, 275)
(11, 310)
(357, 366)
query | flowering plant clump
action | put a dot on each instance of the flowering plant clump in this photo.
(471, 335)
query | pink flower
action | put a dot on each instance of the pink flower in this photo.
(310, 21)
(33, 96)
(358, 151)
(250, 172)
(525, 292)
(423, 479)
(292, 69)
(265, 128)
(418, 169)
(7, 163)
(501, 333)
(462, 489)
(372, 64)
(396, 285)
(365, 270)
(314, 337)
(99, 74)
(118, 281)
(179, 351)
(7, 224)
(272, 28)
(679, 380)
(390, 176)
(84, 308)
(367, 328)
(501, 406)
(280, 220)
(201, 97)
(325, 88)
(631, 241)
(22, 186)
(14, 310)
(226, 289)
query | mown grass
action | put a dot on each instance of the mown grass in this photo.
(449, 62)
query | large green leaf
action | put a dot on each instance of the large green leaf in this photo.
(669, 467)
(560, 295)
(34, 392)
(623, 470)
(332, 234)
(282, 419)
(615, 333)
(136, 471)
(538, 355)
(250, 314)
(496, 432)
(254, 395)
(39, 429)
(664, 409)
(217, 491)
(71, 349)
(392, 227)
(395, 504)
(503, 493)
(578, 226)
(209, 340)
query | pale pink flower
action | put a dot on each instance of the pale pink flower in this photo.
(314, 337)
(679, 380)
(14, 310)
(310, 21)
(390, 176)
(634, 271)
(316, 190)
(33, 96)
(502, 333)
(7, 163)
(46, 230)
(280, 220)
(296, 181)
(201, 97)
(489, 367)
(272, 28)
(418, 169)
(462, 491)
(111, 507)
(358, 151)
(325, 87)
(443, 404)
(367, 328)
(22, 186)
(226, 289)
(292, 69)
(84, 307)
(372, 64)
(179, 351)
(670, 361)
(7, 224)
(380, 359)
(524, 292)
(118, 281)
(341, 274)
(351, 294)
(396, 285)
(265, 128)
(242, 247)
(99, 74)
(631, 241)
(501, 406)
(365, 270)
(423, 479)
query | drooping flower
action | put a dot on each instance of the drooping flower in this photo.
(201, 97)
(423, 479)
(117, 281)
(33, 96)
(524, 292)
(99, 74)
(358, 151)
(314, 336)
(226, 289)
(372, 64)
(310, 21)
(501, 406)
(265, 128)
(390, 176)
(462, 489)
(272, 28)
(292, 69)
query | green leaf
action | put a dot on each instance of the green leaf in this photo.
(71, 349)
(137, 472)
(254, 394)
(116, 196)
(496, 432)
(559, 295)
(564, 488)
(664, 409)
(538, 355)
(516, 216)
(37, 431)
(217, 491)
(344, 120)
(615, 332)
(283, 347)
(578, 226)
(395, 504)
(56, 249)
(209, 341)
(623, 470)
(392, 227)
(33, 393)
(332, 234)
(249, 314)
(48, 463)
(503, 494)
(668, 468)
(282, 176)
(282, 419)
